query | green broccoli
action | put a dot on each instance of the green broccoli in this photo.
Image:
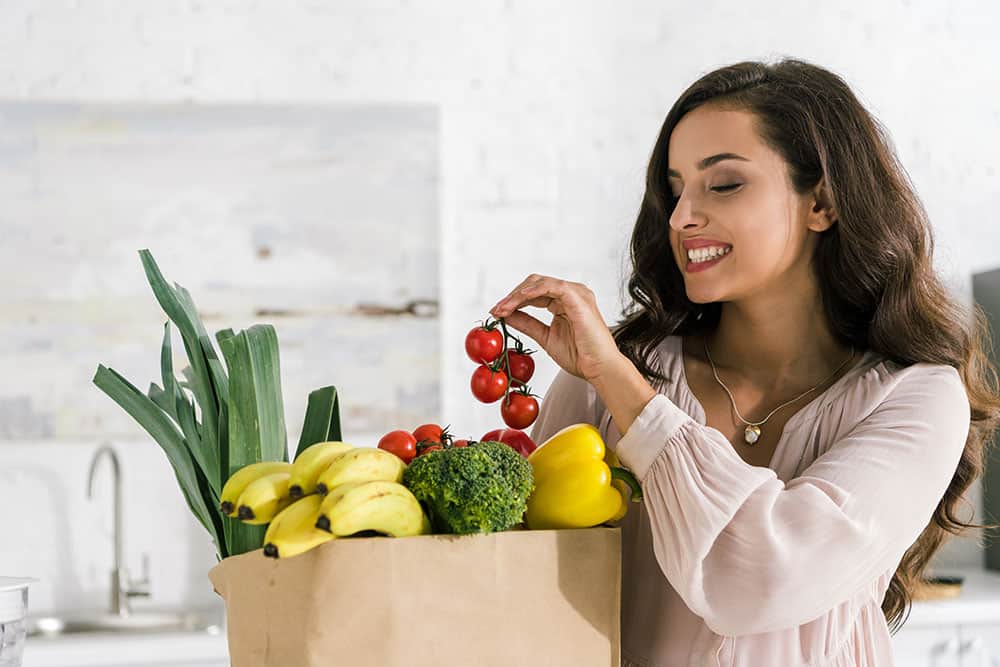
(480, 488)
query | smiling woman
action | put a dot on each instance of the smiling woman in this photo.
(803, 401)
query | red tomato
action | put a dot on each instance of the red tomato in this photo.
(427, 449)
(520, 441)
(460, 443)
(488, 385)
(400, 443)
(484, 345)
(428, 433)
(519, 411)
(520, 366)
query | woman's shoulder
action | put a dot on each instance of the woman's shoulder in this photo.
(920, 383)
(878, 383)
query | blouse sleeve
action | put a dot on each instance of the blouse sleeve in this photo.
(569, 400)
(749, 553)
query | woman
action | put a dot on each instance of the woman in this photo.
(804, 410)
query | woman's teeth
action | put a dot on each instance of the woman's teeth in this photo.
(705, 254)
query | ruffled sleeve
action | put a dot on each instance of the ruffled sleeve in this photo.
(749, 553)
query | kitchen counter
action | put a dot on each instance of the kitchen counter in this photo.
(180, 649)
(978, 602)
(174, 647)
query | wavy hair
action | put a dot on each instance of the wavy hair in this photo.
(873, 267)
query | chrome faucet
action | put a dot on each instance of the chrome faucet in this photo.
(122, 586)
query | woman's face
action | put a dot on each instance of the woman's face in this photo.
(733, 190)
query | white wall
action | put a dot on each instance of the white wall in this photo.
(548, 109)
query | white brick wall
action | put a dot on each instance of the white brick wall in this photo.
(548, 109)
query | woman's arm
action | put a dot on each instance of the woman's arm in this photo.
(624, 391)
(749, 553)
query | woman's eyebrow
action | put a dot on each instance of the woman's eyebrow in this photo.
(709, 161)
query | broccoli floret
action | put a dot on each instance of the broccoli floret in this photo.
(481, 488)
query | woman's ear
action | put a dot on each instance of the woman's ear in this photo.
(822, 215)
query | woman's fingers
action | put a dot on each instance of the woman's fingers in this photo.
(512, 301)
(534, 278)
(534, 290)
(531, 327)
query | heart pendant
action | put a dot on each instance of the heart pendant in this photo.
(752, 434)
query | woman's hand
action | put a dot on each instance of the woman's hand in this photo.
(577, 338)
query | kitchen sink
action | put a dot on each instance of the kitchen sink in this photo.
(136, 622)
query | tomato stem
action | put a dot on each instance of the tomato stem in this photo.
(506, 361)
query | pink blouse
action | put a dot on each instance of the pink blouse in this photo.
(728, 564)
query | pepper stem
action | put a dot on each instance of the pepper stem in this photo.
(627, 477)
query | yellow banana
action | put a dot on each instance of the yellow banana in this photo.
(310, 463)
(238, 481)
(293, 530)
(383, 506)
(362, 464)
(334, 496)
(263, 498)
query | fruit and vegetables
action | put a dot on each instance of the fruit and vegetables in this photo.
(294, 530)
(503, 372)
(521, 367)
(480, 488)
(226, 412)
(235, 485)
(484, 344)
(488, 385)
(574, 485)
(222, 429)
(401, 443)
(362, 464)
(520, 410)
(308, 465)
(519, 440)
(263, 499)
(430, 433)
(386, 507)
(343, 491)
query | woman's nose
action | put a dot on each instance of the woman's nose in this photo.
(683, 216)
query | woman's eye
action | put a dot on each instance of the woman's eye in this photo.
(726, 188)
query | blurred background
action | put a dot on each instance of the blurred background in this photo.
(370, 178)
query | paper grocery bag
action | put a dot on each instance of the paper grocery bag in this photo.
(522, 597)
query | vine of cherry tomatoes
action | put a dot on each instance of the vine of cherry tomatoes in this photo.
(503, 372)
(425, 438)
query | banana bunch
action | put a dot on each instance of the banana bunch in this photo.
(383, 506)
(310, 464)
(331, 490)
(364, 464)
(294, 530)
(257, 492)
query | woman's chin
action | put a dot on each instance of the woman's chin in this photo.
(703, 296)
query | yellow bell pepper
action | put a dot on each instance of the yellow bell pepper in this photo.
(575, 487)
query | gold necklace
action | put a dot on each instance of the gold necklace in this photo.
(752, 432)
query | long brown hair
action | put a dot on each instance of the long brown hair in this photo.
(874, 266)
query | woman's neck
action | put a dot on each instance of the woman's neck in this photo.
(773, 347)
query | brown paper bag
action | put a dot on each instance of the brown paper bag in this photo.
(522, 597)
